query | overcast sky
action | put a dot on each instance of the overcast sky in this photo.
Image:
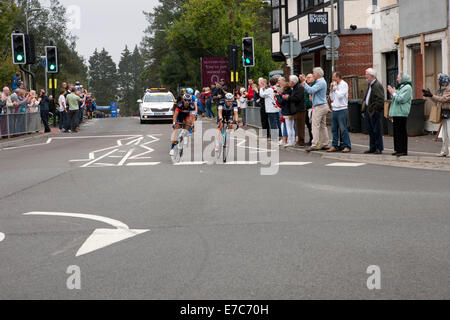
(109, 24)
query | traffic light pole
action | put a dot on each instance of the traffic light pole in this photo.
(31, 74)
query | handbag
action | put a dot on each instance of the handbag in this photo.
(435, 114)
(387, 106)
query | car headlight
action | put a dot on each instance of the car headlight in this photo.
(146, 109)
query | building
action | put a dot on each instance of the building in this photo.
(424, 46)
(353, 25)
(419, 49)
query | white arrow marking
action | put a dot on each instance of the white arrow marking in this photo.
(100, 238)
(2, 237)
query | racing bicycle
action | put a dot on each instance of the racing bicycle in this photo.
(182, 142)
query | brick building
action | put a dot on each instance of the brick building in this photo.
(353, 21)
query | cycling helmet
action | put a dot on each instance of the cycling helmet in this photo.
(77, 83)
(229, 97)
(190, 91)
(187, 97)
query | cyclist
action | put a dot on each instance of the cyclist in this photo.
(227, 111)
(182, 114)
(190, 92)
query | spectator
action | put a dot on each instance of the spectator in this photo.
(16, 81)
(339, 105)
(83, 95)
(20, 100)
(242, 104)
(321, 109)
(250, 95)
(373, 107)
(443, 98)
(309, 108)
(285, 100)
(399, 111)
(5, 103)
(62, 110)
(273, 115)
(73, 101)
(33, 106)
(218, 94)
(44, 107)
(201, 106)
(224, 86)
(296, 101)
(207, 97)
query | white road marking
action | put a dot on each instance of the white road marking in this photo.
(142, 164)
(191, 163)
(96, 160)
(125, 158)
(49, 140)
(293, 163)
(100, 238)
(2, 236)
(242, 163)
(345, 164)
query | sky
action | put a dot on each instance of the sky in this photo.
(111, 24)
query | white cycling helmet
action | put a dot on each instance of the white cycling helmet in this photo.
(229, 97)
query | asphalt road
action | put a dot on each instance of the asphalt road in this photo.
(305, 231)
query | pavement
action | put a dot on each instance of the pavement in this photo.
(105, 214)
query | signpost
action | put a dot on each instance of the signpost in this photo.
(114, 113)
(291, 49)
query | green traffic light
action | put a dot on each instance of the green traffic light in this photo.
(247, 61)
(19, 57)
(52, 67)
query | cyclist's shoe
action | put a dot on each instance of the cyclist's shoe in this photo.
(172, 152)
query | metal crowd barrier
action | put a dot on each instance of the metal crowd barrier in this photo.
(14, 123)
(253, 115)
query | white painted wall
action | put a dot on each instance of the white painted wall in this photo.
(276, 42)
(384, 39)
(357, 13)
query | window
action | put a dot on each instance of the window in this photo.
(158, 98)
(275, 15)
(275, 19)
(305, 5)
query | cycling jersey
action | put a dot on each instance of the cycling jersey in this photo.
(182, 109)
(233, 107)
(227, 112)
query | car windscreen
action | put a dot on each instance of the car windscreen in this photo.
(158, 98)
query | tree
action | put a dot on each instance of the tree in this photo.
(203, 28)
(154, 46)
(103, 77)
(130, 83)
(8, 13)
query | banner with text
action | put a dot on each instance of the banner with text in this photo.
(214, 69)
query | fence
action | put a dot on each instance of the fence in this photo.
(253, 115)
(13, 122)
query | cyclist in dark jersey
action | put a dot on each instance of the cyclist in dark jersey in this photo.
(227, 111)
(183, 114)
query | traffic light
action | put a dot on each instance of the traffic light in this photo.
(248, 49)
(233, 57)
(18, 48)
(52, 59)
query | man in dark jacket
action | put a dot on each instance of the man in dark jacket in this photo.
(298, 107)
(373, 107)
(45, 109)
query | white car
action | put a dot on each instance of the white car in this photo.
(156, 105)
